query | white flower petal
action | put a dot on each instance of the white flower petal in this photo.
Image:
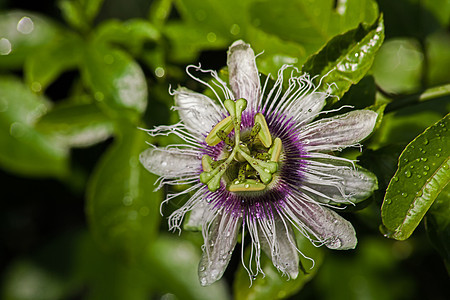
(337, 181)
(197, 111)
(279, 245)
(219, 244)
(195, 220)
(170, 163)
(306, 109)
(325, 224)
(338, 132)
(243, 73)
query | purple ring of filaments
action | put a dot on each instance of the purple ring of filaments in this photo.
(262, 205)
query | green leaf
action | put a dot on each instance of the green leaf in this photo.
(311, 23)
(116, 80)
(213, 16)
(76, 125)
(92, 8)
(360, 95)
(363, 273)
(47, 63)
(21, 34)
(438, 58)
(106, 277)
(80, 13)
(23, 149)
(437, 224)
(273, 285)
(209, 25)
(51, 267)
(188, 40)
(346, 58)
(414, 18)
(422, 173)
(174, 264)
(45, 284)
(439, 8)
(132, 34)
(398, 66)
(122, 208)
(159, 11)
(408, 121)
(206, 25)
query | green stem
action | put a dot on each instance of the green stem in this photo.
(429, 94)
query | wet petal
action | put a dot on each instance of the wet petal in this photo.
(195, 220)
(339, 132)
(219, 244)
(325, 224)
(337, 181)
(198, 112)
(306, 109)
(170, 163)
(243, 73)
(278, 242)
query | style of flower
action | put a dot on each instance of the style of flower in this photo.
(260, 167)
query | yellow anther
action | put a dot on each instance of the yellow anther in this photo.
(264, 133)
(248, 185)
(206, 163)
(226, 125)
(275, 150)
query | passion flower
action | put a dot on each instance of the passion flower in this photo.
(261, 167)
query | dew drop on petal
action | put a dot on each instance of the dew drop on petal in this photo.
(408, 174)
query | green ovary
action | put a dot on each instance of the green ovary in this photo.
(254, 156)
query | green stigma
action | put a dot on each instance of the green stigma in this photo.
(254, 156)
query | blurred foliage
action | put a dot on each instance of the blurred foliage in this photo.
(79, 77)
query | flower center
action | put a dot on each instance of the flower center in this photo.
(253, 157)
